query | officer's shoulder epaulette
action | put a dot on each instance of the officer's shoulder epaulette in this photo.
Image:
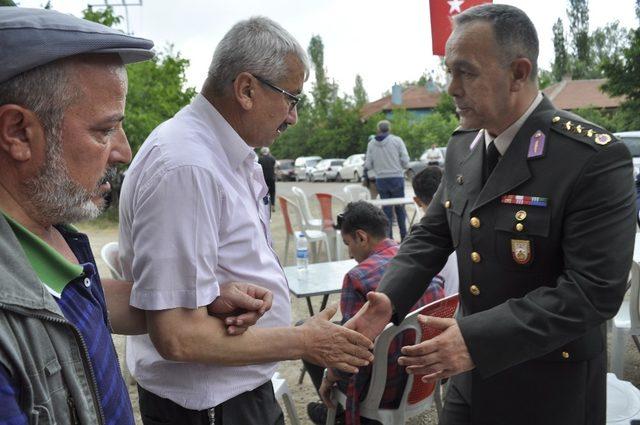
(576, 128)
(460, 130)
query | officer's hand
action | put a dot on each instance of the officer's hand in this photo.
(440, 357)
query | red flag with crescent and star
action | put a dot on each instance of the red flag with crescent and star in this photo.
(441, 13)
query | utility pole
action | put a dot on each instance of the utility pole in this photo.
(120, 3)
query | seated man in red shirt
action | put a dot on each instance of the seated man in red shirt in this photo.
(364, 231)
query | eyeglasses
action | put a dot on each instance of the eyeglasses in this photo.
(292, 99)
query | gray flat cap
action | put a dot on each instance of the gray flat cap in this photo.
(33, 37)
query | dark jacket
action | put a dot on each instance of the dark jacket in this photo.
(535, 296)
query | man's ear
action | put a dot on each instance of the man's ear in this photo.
(417, 201)
(20, 129)
(520, 71)
(361, 236)
(244, 87)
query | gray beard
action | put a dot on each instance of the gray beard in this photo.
(57, 199)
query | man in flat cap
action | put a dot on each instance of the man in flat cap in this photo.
(62, 100)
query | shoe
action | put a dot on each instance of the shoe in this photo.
(317, 412)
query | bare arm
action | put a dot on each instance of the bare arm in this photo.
(194, 336)
(124, 319)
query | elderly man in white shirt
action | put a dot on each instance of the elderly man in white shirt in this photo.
(194, 215)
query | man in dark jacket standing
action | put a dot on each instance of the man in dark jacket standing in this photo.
(539, 206)
(268, 163)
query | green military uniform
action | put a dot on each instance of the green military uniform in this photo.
(544, 250)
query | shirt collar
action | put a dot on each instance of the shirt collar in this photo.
(234, 147)
(382, 245)
(53, 270)
(504, 139)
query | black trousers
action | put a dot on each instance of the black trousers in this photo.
(252, 407)
(271, 185)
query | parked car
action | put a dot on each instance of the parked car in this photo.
(632, 140)
(327, 169)
(284, 170)
(415, 167)
(352, 168)
(303, 166)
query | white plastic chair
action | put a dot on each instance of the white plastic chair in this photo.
(416, 396)
(289, 209)
(307, 219)
(109, 254)
(356, 192)
(111, 258)
(623, 401)
(626, 322)
(281, 390)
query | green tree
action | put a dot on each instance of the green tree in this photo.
(560, 65)
(105, 17)
(359, 93)
(323, 91)
(578, 14)
(623, 79)
(7, 3)
(606, 43)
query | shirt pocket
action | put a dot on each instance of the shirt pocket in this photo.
(51, 398)
(520, 234)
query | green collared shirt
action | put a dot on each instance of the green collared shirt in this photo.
(52, 268)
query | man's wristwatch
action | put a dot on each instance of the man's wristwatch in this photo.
(325, 376)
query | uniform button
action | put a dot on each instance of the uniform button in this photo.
(475, 257)
(475, 222)
(87, 282)
(565, 354)
(519, 227)
(521, 215)
(474, 290)
(460, 179)
(447, 204)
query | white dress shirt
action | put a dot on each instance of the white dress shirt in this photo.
(192, 216)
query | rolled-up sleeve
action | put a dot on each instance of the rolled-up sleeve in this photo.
(175, 240)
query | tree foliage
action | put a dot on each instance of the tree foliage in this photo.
(359, 93)
(7, 3)
(560, 65)
(156, 87)
(578, 14)
(623, 79)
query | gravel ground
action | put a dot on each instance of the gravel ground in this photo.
(101, 233)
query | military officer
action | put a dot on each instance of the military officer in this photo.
(539, 206)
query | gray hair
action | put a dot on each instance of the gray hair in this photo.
(257, 45)
(384, 126)
(45, 90)
(515, 34)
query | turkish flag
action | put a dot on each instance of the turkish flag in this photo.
(441, 13)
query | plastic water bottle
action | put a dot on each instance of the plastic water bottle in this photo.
(302, 252)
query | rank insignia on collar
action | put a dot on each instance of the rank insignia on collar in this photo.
(536, 145)
(521, 251)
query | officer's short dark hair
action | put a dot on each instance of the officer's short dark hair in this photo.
(361, 215)
(516, 36)
(426, 182)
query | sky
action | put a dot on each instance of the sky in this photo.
(383, 41)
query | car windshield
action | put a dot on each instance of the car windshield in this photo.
(285, 165)
(337, 162)
(633, 143)
(312, 162)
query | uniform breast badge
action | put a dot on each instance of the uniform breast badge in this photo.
(534, 201)
(521, 251)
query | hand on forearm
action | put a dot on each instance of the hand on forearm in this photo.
(240, 305)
